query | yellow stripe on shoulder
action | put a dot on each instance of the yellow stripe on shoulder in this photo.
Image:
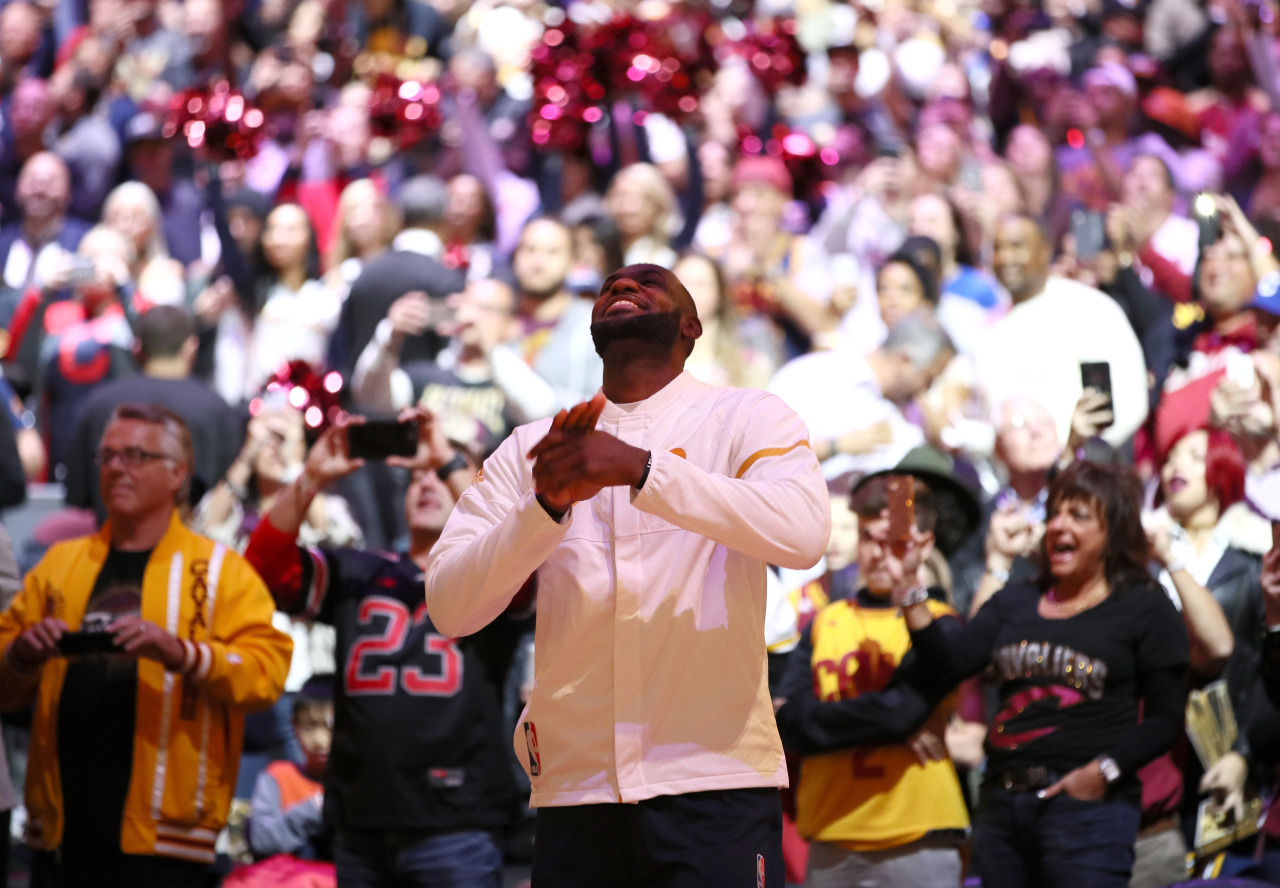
(768, 451)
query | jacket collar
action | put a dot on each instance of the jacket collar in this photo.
(678, 388)
(164, 546)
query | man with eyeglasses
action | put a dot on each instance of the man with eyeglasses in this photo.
(142, 647)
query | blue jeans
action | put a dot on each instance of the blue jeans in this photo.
(399, 859)
(1021, 840)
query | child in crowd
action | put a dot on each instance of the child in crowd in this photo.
(288, 800)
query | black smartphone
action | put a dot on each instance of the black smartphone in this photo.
(79, 644)
(380, 439)
(1205, 209)
(1088, 228)
(1097, 375)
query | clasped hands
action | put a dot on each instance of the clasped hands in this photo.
(574, 461)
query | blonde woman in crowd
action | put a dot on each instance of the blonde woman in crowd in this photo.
(364, 227)
(643, 205)
(133, 210)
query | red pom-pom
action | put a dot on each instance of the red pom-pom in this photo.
(219, 120)
(302, 387)
(769, 47)
(403, 111)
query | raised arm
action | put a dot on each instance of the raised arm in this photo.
(497, 535)
(378, 384)
(1208, 631)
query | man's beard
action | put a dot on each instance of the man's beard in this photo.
(661, 329)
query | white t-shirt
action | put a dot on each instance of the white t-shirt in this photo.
(835, 392)
(291, 326)
(1037, 348)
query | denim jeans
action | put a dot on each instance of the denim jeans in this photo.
(396, 859)
(1021, 840)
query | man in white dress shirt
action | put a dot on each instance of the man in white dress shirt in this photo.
(1053, 326)
(649, 514)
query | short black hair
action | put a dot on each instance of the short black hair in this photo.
(317, 690)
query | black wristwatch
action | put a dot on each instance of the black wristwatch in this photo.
(458, 463)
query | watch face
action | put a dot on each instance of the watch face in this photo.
(1110, 770)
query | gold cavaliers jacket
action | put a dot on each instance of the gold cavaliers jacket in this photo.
(190, 723)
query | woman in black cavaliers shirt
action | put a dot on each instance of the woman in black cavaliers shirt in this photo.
(1091, 666)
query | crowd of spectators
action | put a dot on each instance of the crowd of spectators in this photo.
(917, 243)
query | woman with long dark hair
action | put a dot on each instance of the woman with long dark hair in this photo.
(298, 313)
(1090, 662)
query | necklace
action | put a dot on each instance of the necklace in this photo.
(1078, 603)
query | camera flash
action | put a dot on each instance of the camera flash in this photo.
(1205, 205)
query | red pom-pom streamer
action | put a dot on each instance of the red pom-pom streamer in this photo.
(220, 120)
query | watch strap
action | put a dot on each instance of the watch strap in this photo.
(918, 595)
(1110, 770)
(456, 464)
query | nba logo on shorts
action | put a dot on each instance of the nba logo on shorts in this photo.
(759, 871)
(531, 740)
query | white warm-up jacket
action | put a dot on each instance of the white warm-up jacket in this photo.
(650, 675)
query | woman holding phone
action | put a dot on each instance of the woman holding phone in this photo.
(1078, 654)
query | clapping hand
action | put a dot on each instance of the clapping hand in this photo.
(574, 462)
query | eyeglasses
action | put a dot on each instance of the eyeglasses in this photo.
(130, 457)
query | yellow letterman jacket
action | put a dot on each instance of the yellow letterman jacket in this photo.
(190, 723)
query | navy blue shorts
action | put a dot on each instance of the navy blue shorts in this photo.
(730, 838)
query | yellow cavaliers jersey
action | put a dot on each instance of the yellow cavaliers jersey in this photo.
(871, 798)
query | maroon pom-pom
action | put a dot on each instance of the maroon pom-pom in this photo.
(220, 120)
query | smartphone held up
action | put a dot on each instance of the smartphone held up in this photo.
(1097, 375)
(377, 439)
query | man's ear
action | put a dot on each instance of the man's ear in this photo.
(690, 327)
(189, 349)
(178, 474)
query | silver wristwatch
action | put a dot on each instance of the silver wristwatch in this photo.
(1110, 770)
(918, 595)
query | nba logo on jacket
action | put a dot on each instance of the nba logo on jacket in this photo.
(531, 740)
